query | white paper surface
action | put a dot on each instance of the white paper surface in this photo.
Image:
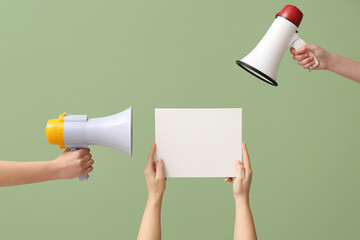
(199, 142)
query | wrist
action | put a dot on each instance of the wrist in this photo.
(154, 201)
(242, 201)
(54, 170)
(242, 207)
(331, 63)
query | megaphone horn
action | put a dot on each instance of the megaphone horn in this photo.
(77, 131)
(263, 61)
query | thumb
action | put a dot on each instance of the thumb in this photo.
(306, 48)
(293, 51)
(65, 152)
(160, 169)
(240, 170)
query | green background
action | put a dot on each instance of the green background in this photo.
(100, 57)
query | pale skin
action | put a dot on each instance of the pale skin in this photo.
(150, 228)
(67, 166)
(327, 61)
(244, 228)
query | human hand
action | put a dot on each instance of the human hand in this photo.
(242, 182)
(302, 57)
(73, 164)
(155, 177)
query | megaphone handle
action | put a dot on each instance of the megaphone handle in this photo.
(83, 177)
(298, 44)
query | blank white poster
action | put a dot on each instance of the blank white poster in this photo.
(199, 142)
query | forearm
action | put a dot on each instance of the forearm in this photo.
(17, 173)
(244, 223)
(344, 67)
(150, 228)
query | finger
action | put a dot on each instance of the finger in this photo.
(89, 163)
(240, 170)
(306, 61)
(88, 170)
(306, 48)
(300, 57)
(292, 51)
(246, 160)
(86, 157)
(228, 179)
(246, 157)
(160, 169)
(302, 50)
(83, 151)
(151, 163)
(307, 66)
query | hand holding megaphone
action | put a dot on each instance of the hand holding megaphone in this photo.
(303, 59)
(85, 176)
(74, 132)
(71, 164)
(296, 42)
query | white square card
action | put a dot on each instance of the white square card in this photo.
(199, 142)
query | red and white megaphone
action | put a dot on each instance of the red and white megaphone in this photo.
(263, 62)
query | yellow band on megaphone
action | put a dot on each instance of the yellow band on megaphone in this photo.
(55, 131)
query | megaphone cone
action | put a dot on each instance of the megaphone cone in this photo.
(114, 131)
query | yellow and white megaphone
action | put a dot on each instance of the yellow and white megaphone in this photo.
(263, 61)
(77, 131)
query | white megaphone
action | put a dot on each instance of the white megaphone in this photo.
(263, 62)
(77, 131)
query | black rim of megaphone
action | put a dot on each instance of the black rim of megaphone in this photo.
(245, 66)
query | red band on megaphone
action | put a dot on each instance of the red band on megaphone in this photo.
(291, 13)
